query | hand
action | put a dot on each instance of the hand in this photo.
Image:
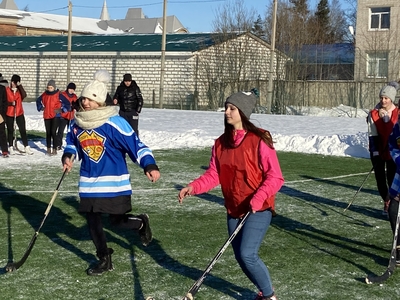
(153, 175)
(115, 101)
(42, 109)
(68, 163)
(12, 103)
(185, 192)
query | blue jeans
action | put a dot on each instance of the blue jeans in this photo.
(246, 245)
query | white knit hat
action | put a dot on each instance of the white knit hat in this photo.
(96, 89)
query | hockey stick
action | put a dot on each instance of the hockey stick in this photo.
(12, 266)
(195, 287)
(392, 261)
(359, 189)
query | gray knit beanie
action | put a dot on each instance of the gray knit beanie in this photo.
(52, 83)
(245, 101)
(388, 91)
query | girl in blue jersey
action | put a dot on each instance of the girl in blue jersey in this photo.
(101, 139)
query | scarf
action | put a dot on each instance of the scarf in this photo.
(95, 118)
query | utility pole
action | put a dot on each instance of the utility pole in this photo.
(69, 41)
(163, 42)
(270, 88)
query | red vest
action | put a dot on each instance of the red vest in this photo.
(11, 97)
(69, 115)
(384, 130)
(50, 103)
(240, 174)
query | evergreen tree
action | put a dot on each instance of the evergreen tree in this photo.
(322, 25)
(258, 27)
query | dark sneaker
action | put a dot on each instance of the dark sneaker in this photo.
(145, 232)
(103, 265)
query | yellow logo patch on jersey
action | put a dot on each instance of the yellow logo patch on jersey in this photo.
(92, 144)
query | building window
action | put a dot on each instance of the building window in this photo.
(377, 64)
(380, 18)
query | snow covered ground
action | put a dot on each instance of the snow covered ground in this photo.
(341, 131)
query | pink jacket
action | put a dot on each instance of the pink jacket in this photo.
(268, 162)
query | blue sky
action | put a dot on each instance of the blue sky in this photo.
(196, 15)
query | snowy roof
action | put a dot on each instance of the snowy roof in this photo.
(188, 42)
(92, 26)
(146, 25)
(57, 22)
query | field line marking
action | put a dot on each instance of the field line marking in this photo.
(170, 189)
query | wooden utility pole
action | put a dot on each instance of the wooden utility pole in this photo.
(163, 42)
(270, 89)
(69, 41)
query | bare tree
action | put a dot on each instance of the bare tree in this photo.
(234, 16)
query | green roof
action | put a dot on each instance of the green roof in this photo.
(125, 43)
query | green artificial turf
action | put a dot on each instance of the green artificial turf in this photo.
(314, 249)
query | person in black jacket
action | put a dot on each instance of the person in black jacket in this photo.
(130, 100)
(3, 109)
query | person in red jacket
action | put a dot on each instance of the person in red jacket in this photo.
(66, 117)
(15, 113)
(245, 164)
(380, 121)
(52, 103)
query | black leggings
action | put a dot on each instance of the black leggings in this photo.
(3, 138)
(392, 213)
(51, 128)
(94, 221)
(20, 120)
(62, 123)
(384, 178)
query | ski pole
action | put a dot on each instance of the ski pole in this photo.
(359, 189)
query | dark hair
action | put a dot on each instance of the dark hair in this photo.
(227, 138)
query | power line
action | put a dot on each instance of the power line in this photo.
(138, 5)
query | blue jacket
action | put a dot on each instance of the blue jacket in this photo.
(104, 172)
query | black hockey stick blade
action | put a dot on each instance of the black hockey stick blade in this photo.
(195, 287)
(370, 279)
(12, 266)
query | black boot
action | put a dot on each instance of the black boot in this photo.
(145, 232)
(103, 265)
(398, 256)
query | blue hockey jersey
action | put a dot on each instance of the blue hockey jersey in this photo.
(104, 172)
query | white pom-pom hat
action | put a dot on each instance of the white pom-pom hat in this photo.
(96, 89)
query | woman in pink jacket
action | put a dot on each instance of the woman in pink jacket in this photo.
(245, 164)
